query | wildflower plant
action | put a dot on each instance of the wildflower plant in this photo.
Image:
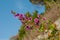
(33, 21)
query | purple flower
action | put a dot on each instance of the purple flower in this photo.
(44, 18)
(30, 18)
(26, 18)
(16, 15)
(27, 27)
(21, 16)
(38, 15)
(36, 20)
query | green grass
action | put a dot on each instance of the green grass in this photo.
(22, 32)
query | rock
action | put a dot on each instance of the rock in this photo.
(14, 37)
(57, 24)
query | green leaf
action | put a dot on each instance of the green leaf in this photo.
(54, 32)
(28, 14)
(41, 28)
(52, 27)
(13, 12)
(22, 32)
(34, 15)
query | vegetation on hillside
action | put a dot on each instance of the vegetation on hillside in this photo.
(33, 21)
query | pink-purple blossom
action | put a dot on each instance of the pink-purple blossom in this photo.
(36, 20)
(21, 16)
(38, 15)
(30, 18)
(26, 18)
(27, 27)
(16, 15)
(44, 18)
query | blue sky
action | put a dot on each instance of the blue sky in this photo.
(9, 25)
